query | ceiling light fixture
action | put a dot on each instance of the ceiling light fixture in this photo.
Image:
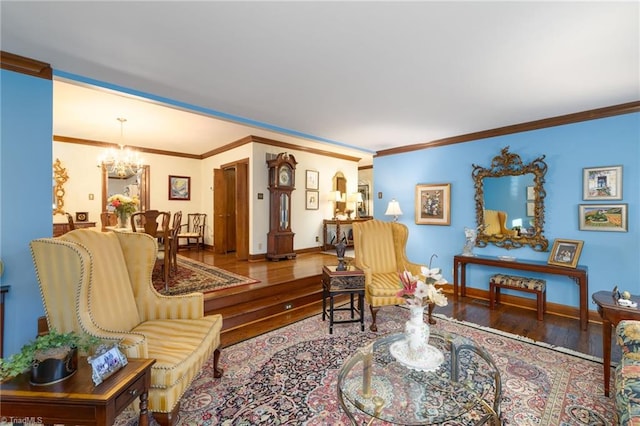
(121, 163)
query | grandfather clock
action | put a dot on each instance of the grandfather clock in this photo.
(282, 178)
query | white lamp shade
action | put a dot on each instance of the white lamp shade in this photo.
(393, 209)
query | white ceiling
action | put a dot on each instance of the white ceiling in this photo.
(359, 75)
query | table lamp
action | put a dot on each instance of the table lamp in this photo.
(393, 209)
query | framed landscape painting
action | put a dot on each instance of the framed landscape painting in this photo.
(603, 217)
(433, 204)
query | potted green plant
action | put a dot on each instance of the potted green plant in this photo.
(51, 357)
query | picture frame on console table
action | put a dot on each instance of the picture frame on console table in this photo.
(433, 204)
(565, 253)
(603, 217)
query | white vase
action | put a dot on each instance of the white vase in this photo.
(416, 331)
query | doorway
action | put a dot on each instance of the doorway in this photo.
(231, 209)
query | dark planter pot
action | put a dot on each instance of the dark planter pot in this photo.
(54, 370)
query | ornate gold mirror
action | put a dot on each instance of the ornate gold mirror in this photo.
(510, 202)
(60, 176)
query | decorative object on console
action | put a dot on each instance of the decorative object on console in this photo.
(603, 217)
(433, 204)
(393, 209)
(122, 163)
(565, 253)
(602, 183)
(82, 216)
(470, 241)
(124, 206)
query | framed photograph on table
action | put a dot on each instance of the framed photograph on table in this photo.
(565, 253)
(603, 217)
(602, 183)
(312, 202)
(311, 181)
(179, 187)
(433, 204)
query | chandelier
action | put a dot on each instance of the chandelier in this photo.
(122, 162)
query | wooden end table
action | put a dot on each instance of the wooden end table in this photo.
(611, 313)
(77, 400)
(335, 283)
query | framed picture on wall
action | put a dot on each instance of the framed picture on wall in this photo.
(312, 202)
(179, 187)
(433, 204)
(565, 253)
(603, 217)
(602, 183)
(311, 181)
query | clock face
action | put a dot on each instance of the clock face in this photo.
(284, 176)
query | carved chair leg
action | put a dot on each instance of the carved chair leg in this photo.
(430, 311)
(217, 372)
(374, 312)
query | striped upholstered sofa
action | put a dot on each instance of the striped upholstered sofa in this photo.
(100, 283)
(627, 383)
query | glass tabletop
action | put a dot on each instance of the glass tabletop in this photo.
(373, 382)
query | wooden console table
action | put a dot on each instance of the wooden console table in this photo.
(579, 275)
(76, 400)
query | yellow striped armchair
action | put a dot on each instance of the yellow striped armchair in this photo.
(100, 283)
(379, 250)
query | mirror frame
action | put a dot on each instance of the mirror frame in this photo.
(144, 188)
(509, 164)
(60, 176)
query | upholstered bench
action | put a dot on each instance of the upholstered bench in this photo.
(529, 285)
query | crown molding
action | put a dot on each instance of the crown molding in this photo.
(577, 117)
(20, 64)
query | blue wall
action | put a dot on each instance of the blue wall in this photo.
(25, 196)
(612, 257)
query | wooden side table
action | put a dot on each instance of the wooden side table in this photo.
(611, 314)
(76, 400)
(335, 283)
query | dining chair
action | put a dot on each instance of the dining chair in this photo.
(156, 224)
(108, 219)
(72, 225)
(193, 229)
(173, 239)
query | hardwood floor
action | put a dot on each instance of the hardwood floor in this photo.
(555, 330)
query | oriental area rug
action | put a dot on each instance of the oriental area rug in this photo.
(288, 377)
(197, 276)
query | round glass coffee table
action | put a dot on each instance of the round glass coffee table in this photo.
(466, 386)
